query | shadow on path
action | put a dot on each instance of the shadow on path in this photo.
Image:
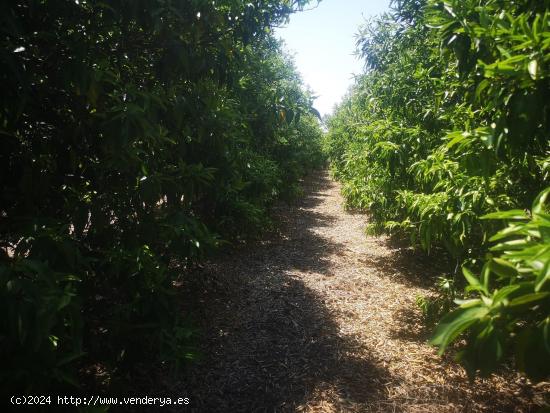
(270, 343)
(320, 318)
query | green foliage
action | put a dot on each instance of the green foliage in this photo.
(450, 120)
(435, 307)
(135, 136)
(509, 313)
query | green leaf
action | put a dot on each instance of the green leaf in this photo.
(503, 268)
(454, 323)
(543, 277)
(504, 292)
(474, 302)
(514, 214)
(512, 229)
(474, 282)
(289, 116)
(529, 299)
(540, 201)
(517, 244)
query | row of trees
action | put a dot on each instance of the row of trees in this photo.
(450, 122)
(136, 137)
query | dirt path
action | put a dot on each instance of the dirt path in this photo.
(322, 318)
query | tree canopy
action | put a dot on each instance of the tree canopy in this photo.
(136, 137)
(450, 122)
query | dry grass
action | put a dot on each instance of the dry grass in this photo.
(321, 318)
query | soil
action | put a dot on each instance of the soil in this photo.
(321, 317)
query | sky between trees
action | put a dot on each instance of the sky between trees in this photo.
(322, 41)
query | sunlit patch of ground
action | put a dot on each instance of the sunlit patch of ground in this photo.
(321, 318)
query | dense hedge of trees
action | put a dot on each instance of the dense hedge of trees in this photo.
(136, 136)
(450, 122)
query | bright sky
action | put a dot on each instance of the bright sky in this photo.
(322, 41)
